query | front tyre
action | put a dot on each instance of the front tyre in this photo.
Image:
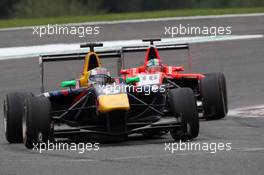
(37, 125)
(13, 111)
(183, 104)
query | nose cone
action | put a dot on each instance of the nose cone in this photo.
(108, 103)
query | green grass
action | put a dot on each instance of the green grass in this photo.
(124, 16)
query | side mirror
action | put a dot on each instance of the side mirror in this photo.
(68, 83)
(132, 80)
(112, 80)
(178, 68)
(141, 69)
(123, 71)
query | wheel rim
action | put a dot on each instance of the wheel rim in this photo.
(40, 137)
(189, 129)
(222, 90)
(224, 103)
(223, 97)
(5, 114)
(24, 125)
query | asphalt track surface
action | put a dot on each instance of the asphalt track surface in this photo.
(241, 61)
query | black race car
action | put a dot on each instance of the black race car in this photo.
(97, 105)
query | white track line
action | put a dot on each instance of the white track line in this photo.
(35, 51)
(248, 112)
(148, 20)
(122, 158)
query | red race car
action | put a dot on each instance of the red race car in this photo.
(209, 90)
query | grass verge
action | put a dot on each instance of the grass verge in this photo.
(125, 16)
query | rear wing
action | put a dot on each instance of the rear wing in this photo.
(160, 47)
(74, 56)
(114, 53)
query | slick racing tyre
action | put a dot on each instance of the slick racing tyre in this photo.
(183, 104)
(36, 122)
(13, 111)
(214, 96)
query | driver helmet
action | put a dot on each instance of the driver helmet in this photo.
(99, 76)
(154, 65)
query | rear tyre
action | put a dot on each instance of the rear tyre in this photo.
(37, 125)
(13, 111)
(183, 104)
(214, 96)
